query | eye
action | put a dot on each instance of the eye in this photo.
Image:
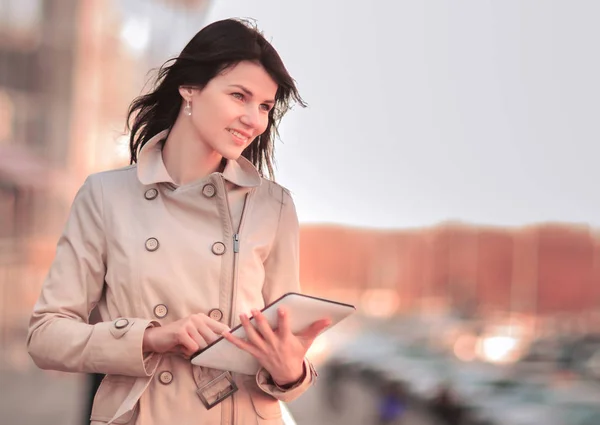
(265, 107)
(238, 96)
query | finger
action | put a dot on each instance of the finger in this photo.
(283, 322)
(207, 333)
(216, 327)
(188, 344)
(252, 334)
(264, 328)
(312, 331)
(202, 323)
(213, 324)
(241, 344)
(197, 337)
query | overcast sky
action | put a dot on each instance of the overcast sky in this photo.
(420, 112)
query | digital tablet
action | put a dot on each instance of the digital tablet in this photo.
(303, 310)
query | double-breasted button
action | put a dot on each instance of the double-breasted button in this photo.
(165, 377)
(160, 311)
(215, 314)
(209, 190)
(152, 244)
(151, 194)
(121, 323)
(218, 248)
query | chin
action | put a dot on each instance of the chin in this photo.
(232, 154)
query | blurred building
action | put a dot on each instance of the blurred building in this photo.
(68, 71)
(549, 270)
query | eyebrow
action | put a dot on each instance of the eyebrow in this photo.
(248, 92)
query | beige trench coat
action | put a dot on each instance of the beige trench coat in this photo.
(143, 249)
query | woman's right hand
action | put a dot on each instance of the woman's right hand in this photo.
(185, 336)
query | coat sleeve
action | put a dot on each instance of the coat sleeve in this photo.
(282, 275)
(60, 335)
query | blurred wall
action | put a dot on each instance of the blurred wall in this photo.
(547, 269)
(68, 71)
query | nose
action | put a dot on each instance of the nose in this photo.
(251, 118)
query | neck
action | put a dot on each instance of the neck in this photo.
(186, 157)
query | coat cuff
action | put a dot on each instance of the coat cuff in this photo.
(119, 347)
(265, 383)
(151, 360)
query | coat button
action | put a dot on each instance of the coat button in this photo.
(218, 248)
(215, 314)
(160, 311)
(121, 323)
(209, 190)
(152, 244)
(165, 377)
(151, 194)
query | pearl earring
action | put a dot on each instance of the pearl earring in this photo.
(187, 108)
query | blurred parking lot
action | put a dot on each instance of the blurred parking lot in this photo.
(504, 380)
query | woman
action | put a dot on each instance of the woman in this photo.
(183, 244)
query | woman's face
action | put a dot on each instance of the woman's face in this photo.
(233, 108)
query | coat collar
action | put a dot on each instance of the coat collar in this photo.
(151, 167)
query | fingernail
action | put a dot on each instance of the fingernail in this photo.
(281, 312)
(243, 316)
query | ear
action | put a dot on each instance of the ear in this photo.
(186, 92)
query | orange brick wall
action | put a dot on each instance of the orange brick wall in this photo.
(544, 269)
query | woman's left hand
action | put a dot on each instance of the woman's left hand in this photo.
(279, 351)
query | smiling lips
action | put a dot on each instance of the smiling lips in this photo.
(240, 138)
